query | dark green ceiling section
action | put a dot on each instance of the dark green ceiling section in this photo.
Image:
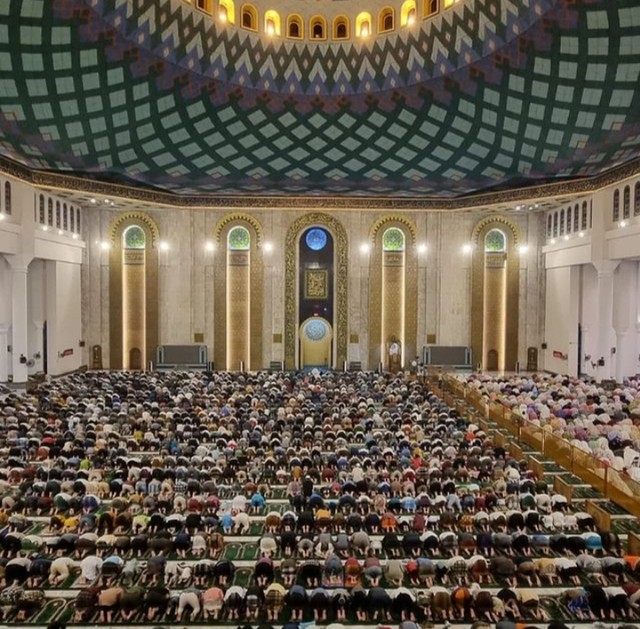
(489, 94)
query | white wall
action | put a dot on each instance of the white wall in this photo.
(64, 316)
(560, 333)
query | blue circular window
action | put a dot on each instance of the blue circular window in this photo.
(315, 330)
(316, 239)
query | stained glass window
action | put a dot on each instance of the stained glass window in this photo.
(239, 238)
(494, 241)
(393, 240)
(316, 239)
(133, 237)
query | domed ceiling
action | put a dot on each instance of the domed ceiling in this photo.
(490, 94)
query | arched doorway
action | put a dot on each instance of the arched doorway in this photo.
(316, 346)
(316, 283)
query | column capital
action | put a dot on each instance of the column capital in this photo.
(19, 263)
(605, 268)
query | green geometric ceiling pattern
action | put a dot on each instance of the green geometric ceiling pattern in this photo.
(489, 94)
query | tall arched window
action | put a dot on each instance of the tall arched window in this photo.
(576, 217)
(72, 219)
(58, 215)
(495, 280)
(294, 27)
(549, 226)
(562, 222)
(65, 217)
(133, 290)
(583, 219)
(555, 224)
(42, 219)
(77, 220)
(569, 220)
(238, 291)
(636, 205)
(626, 202)
(205, 5)
(7, 198)
(616, 206)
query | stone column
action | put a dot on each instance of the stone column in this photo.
(5, 330)
(604, 332)
(19, 316)
(625, 309)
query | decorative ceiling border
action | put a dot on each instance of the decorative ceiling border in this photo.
(79, 185)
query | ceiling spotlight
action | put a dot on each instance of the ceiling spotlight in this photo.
(75, 236)
(553, 241)
(2, 217)
(106, 201)
(268, 247)
(518, 207)
(623, 223)
(164, 245)
(566, 237)
(411, 20)
(209, 246)
(522, 249)
(581, 234)
(422, 248)
(364, 248)
(60, 232)
(467, 247)
(222, 15)
(270, 30)
(45, 228)
(105, 246)
(93, 200)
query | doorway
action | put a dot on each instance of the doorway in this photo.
(316, 342)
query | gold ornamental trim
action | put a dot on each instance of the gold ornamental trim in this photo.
(341, 249)
(393, 220)
(239, 218)
(497, 221)
(134, 218)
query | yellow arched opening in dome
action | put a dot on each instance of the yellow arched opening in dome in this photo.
(205, 5)
(318, 27)
(295, 27)
(272, 22)
(249, 17)
(227, 11)
(341, 27)
(386, 20)
(450, 3)
(408, 13)
(363, 24)
(430, 8)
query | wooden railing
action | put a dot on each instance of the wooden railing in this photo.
(617, 486)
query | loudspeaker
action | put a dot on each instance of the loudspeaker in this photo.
(543, 346)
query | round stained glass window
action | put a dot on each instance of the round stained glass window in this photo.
(316, 239)
(494, 241)
(393, 240)
(134, 238)
(315, 330)
(239, 238)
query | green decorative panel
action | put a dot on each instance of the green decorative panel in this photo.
(393, 240)
(239, 239)
(134, 238)
(495, 241)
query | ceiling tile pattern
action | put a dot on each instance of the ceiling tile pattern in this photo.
(489, 94)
